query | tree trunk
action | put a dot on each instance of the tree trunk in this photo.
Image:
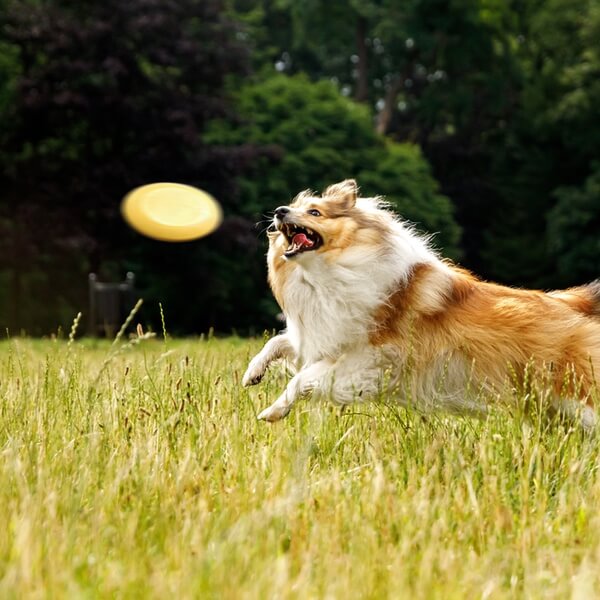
(387, 112)
(362, 82)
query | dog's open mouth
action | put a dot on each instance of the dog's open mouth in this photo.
(300, 239)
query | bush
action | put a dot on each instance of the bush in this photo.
(324, 138)
(573, 230)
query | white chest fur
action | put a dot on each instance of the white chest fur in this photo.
(329, 308)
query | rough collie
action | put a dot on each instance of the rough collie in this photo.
(372, 309)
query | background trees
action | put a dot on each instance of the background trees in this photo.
(323, 137)
(108, 96)
(255, 100)
(499, 95)
(547, 158)
(439, 74)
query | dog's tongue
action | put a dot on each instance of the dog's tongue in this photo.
(301, 241)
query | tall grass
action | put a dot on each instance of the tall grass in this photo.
(139, 470)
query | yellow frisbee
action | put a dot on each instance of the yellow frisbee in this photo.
(171, 212)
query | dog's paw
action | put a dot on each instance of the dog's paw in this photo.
(275, 412)
(255, 372)
(252, 376)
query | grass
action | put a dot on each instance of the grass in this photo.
(140, 471)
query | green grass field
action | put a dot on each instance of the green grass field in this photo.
(140, 471)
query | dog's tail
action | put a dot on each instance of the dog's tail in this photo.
(584, 299)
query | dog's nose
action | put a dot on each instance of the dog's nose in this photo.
(281, 211)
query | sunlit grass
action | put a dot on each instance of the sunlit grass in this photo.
(139, 470)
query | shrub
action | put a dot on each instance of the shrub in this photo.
(323, 138)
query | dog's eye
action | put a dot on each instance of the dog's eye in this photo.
(314, 212)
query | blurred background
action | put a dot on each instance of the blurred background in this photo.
(478, 119)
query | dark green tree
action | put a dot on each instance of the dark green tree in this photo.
(440, 74)
(574, 230)
(323, 138)
(501, 96)
(542, 229)
(110, 95)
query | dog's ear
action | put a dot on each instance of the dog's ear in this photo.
(342, 194)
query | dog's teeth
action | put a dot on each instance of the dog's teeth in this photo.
(309, 231)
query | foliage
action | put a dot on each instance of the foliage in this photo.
(546, 160)
(445, 52)
(140, 471)
(574, 226)
(499, 97)
(324, 138)
(404, 178)
(443, 75)
(110, 96)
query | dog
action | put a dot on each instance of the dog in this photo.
(372, 309)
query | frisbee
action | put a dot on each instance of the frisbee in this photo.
(171, 212)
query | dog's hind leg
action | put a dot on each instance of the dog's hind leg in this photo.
(277, 347)
(577, 413)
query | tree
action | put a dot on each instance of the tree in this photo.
(111, 95)
(441, 75)
(574, 222)
(324, 138)
(321, 39)
(546, 164)
(573, 228)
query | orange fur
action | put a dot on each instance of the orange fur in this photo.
(496, 329)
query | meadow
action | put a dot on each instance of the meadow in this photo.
(138, 470)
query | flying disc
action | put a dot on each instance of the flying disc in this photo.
(171, 212)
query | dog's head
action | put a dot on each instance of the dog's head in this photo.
(324, 225)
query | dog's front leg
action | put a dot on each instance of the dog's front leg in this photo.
(353, 376)
(302, 383)
(277, 347)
